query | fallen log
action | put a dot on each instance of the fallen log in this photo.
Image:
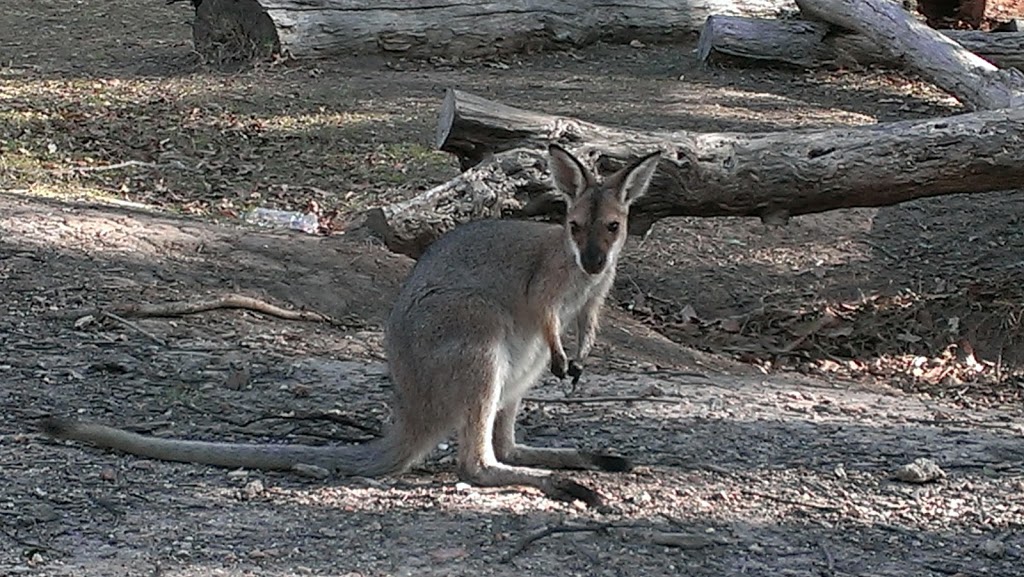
(450, 28)
(974, 82)
(811, 44)
(771, 175)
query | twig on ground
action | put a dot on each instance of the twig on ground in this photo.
(231, 301)
(120, 165)
(672, 520)
(879, 248)
(677, 373)
(608, 399)
(127, 323)
(538, 534)
(829, 559)
(29, 544)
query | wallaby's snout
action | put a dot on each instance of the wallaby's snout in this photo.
(593, 259)
(592, 244)
(597, 212)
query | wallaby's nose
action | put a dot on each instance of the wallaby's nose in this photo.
(593, 259)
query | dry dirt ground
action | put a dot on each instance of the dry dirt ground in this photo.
(779, 376)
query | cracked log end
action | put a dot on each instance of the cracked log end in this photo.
(234, 31)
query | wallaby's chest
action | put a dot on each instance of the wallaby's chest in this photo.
(574, 299)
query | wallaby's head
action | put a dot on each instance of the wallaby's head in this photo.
(596, 212)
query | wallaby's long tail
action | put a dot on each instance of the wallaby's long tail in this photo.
(378, 457)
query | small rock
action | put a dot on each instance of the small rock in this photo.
(254, 489)
(448, 554)
(636, 44)
(682, 540)
(108, 474)
(239, 376)
(920, 471)
(462, 487)
(994, 548)
(839, 471)
(311, 471)
(238, 474)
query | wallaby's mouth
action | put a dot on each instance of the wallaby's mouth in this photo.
(592, 259)
(593, 265)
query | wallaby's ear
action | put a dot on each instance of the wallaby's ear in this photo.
(634, 179)
(569, 174)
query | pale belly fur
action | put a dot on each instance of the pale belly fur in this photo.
(524, 360)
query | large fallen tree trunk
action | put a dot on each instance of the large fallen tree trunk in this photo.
(452, 28)
(769, 175)
(973, 81)
(815, 44)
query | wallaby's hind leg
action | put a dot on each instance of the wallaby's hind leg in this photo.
(477, 462)
(508, 451)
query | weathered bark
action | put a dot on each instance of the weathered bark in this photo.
(315, 28)
(769, 175)
(812, 44)
(970, 79)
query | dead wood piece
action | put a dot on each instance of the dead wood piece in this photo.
(123, 165)
(973, 81)
(609, 399)
(771, 175)
(135, 327)
(310, 471)
(811, 44)
(238, 29)
(547, 531)
(231, 301)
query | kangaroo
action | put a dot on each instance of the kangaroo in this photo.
(475, 325)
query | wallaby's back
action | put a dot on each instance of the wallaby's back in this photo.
(495, 259)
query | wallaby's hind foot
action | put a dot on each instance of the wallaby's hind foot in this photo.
(477, 463)
(527, 456)
(554, 486)
(507, 450)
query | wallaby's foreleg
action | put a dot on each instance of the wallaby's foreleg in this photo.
(586, 327)
(478, 465)
(552, 329)
(586, 330)
(508, 451)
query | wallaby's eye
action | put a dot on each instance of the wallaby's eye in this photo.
(613, 226)
(574, 227)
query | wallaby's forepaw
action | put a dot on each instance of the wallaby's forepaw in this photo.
(575, 370)
(611, 463)
(563, 489)
(559, 364)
